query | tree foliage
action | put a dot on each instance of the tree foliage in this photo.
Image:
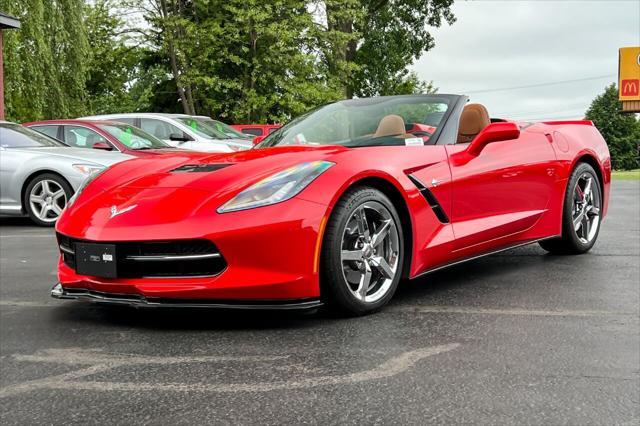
(120, 78)
(621, 131)
(240, 60)
(368, 44)
(46, 59)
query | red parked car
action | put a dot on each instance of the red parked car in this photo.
(105, 135)
(259, 131)
(335, 208)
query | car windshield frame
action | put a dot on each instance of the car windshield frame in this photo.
(283, 136)
(154, 143)
(40, 139)
(205, 131)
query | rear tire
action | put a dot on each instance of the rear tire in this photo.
(580, 215)
(45, 197)
(362, 253)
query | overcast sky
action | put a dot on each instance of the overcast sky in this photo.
(497, 44)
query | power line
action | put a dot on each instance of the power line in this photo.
(552, 83)
(540, 111)
(560, 117)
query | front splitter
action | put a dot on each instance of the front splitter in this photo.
(59, 292)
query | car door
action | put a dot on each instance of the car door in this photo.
(163, 130)
(501, 192)
(9, 195)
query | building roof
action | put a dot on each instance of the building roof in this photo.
(7, 21)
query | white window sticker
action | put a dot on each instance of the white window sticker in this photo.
(300, 139)
(107, 258)
(414, 142)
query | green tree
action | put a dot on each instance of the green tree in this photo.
(367, 45)
(621, 131)
(253, 61)
(116, 62)
(46, 59)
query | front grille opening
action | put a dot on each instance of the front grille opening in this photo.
(177, 258)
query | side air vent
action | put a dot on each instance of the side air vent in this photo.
(199, 168)
(431, 199)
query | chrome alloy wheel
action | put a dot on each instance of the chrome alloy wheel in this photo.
(586, 208)
(47, 199)
(370, 251)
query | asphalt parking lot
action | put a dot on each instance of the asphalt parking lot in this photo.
(516, 338)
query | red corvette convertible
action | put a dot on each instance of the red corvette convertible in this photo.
(334, 208)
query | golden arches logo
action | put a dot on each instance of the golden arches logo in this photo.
(630, 87)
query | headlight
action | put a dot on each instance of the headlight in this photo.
(90, 178)
(87, 169)
(277, 188)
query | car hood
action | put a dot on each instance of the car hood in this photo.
(209, 172)
(182, 184)
(86, 155)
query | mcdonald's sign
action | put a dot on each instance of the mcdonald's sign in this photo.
(629, 74)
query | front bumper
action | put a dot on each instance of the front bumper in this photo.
(59, 292)
(271, 254)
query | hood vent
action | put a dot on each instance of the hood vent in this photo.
(199, 168)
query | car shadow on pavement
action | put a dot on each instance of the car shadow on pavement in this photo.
(75, 312)
(425, 290)
(18, 221)
(474, 273)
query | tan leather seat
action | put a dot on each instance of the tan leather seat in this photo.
(390, 125)
(473, 119)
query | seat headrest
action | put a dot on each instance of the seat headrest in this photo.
(158, 131)
(93, 138)
(474, 118)
(71, 138)
(390, 125)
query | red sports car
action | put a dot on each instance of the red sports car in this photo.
(105, 135)
(334, 208)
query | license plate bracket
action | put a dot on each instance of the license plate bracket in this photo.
(97, 260)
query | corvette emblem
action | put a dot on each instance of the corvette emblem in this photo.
(115, 212)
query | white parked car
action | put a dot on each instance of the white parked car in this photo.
(181, 130)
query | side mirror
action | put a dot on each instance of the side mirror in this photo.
(179, 137)
(103, 146)
(494, 132)
(257, 139)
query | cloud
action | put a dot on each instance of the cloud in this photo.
(498, 44)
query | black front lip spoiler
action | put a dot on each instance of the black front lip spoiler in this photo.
(59, 292)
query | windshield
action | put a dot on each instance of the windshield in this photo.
(132, 137)
(202, 128)
(224, 128)
(16, 136)
(396, 120)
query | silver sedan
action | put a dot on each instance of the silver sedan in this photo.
(39, 174)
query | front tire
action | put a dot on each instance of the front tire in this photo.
(45, 197)
(362, 253)
(581, 213)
